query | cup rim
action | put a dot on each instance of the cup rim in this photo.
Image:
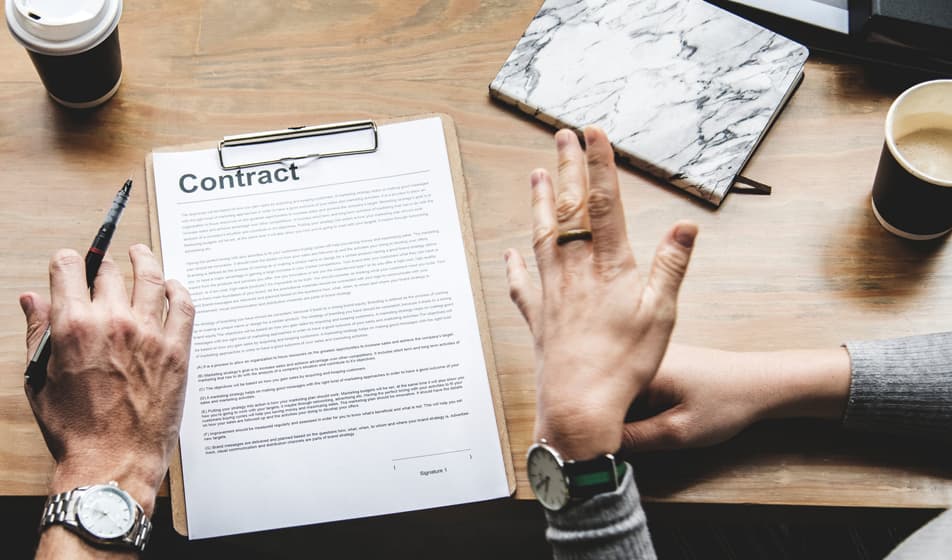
(83, 43)
(891, 140)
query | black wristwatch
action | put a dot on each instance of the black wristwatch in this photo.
(557, 483)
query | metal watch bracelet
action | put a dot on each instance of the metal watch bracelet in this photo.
(61, 509)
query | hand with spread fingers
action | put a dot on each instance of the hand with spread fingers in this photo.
(112, 402)
(600, 330)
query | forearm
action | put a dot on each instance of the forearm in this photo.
(781, 384)
(804, 383)
(902, 385)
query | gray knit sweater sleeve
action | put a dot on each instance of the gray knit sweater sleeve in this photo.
(609, 526)
(902, 386)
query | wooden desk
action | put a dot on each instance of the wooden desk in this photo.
(806, 266)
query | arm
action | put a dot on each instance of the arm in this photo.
(902, 386)
(112, 402)
(702, 396)
(600, 334)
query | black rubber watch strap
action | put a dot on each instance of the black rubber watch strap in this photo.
(596, 476)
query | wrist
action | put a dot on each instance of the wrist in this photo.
(135, 475)
(579, 439)
(806, 383)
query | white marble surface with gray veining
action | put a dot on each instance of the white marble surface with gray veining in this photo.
(683, 89)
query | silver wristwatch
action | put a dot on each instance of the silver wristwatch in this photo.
(103, 514)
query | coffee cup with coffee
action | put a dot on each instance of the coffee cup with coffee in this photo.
(912, 192)
(74, 45)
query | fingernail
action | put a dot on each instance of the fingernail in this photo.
(684, 234)
(536, 177)
(562, 138)
(26, 303)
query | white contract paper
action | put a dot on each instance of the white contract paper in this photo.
(336, 366)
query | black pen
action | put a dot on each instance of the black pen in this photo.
(36, 369)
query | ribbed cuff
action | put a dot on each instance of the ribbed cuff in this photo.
(608, 526)
(902, 386)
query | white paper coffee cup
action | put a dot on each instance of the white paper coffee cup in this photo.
(74, 45)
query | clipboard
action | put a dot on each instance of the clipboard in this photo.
(176, 485)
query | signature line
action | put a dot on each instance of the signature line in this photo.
(431, 455)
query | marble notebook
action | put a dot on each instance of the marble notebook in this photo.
(685, 90)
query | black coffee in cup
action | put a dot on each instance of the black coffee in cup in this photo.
(74, 45)
(912, 192)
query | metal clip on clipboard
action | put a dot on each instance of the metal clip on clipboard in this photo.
(306, 138)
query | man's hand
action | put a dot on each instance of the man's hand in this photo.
(115, 387)
(702, 397)
(599, 331)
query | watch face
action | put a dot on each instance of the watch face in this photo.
(106, 512)
(546, 478)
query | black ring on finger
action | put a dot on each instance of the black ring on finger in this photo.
(574, 235)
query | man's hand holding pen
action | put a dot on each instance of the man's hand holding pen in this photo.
(106, 378)
(115, 388)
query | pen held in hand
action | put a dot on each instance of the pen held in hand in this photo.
(36, 370)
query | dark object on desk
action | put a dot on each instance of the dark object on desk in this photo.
(924, 26)
(912, 192)
(892, 62)
(36, 370)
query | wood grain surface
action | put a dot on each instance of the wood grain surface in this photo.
(807, 266)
